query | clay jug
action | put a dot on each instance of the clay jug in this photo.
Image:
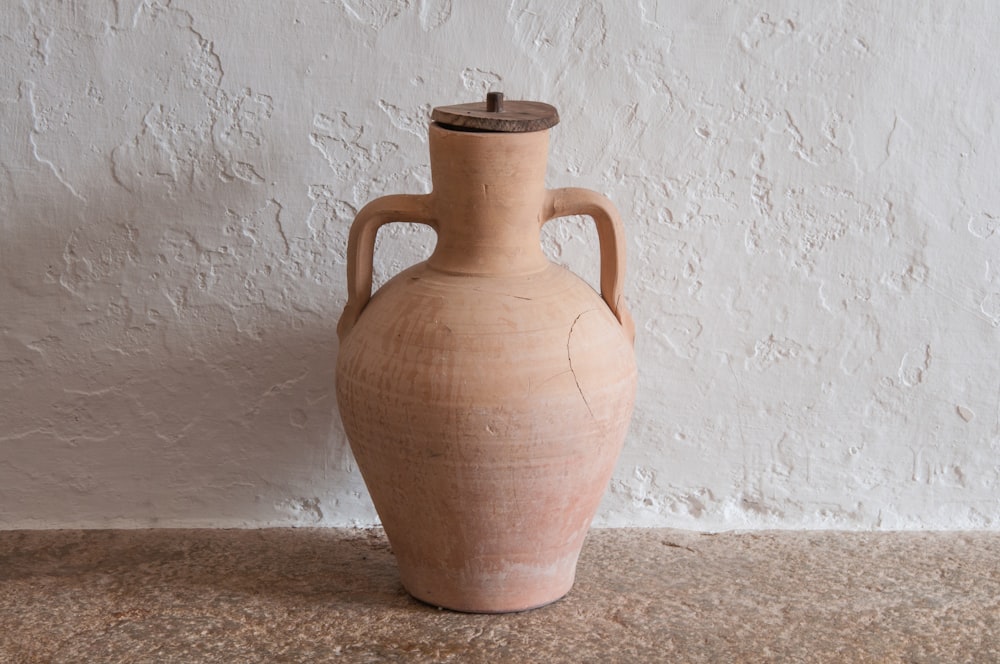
(486, 392)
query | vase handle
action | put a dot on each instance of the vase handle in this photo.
(412, 208)
(573, 200)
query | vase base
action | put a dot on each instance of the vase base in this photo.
(488, 607)
(490, 593)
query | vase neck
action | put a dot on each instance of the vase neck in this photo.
(487, 200)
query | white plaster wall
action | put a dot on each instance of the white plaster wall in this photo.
(813, 217)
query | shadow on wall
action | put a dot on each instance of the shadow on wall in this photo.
(169, 359)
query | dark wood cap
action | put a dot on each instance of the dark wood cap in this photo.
(497, 114)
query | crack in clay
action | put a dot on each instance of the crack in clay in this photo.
(569, 356)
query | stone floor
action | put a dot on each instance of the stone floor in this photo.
(641, 596)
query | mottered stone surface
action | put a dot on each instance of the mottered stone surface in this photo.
(641, 595)
(809, 191)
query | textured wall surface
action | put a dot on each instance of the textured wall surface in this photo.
(809, 189)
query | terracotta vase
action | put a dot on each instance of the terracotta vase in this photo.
(486, 392)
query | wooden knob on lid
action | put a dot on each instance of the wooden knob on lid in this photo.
(497, 114)
(494, 102)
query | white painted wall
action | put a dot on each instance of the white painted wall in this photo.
(810, 192)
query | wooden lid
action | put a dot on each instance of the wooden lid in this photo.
(498, 115)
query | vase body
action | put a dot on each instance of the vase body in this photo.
(486, 392)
